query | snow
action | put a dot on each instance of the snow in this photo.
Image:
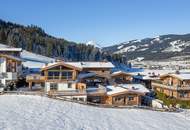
(176, 46)
(33, 64)
(33, 60)
(127, 49)
(35, 57)
(119, 47)
(135, 87)
(35, 113)
(114, 89)
(11, 49)
(91, 64)
(143, 49)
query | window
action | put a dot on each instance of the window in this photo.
(130, 98)
(81, 99)
(183, 94)
(69, 85)
(67, 75)
(53, 86)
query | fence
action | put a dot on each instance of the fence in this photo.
(86, 102)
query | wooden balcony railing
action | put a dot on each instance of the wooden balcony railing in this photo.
(35, 78)
(59, 77)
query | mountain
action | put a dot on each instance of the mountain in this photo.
(35, 39)
(157, 48)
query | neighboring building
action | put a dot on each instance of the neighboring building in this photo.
(175, 85)
(147, 76)
(10, 68)
(121, 77)
(125, 94)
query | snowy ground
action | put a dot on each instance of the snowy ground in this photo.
(37, 113)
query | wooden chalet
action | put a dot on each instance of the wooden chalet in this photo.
(175, 85)
(120, 96)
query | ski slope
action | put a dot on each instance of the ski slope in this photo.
(37, 113)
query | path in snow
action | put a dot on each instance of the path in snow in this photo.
(37, 113)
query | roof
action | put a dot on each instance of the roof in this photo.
(92, 64)
(11, 49)
(126, 88)
(12, 57)
(150, 74)
(115, 89)
(135, 87)
(180, 76)
(51, 65)
(120, 72)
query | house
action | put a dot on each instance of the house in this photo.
(125, 94)
(175, 85)
(10, 68)
(71, 78)
(121, 77)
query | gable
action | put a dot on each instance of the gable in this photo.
(60, 66)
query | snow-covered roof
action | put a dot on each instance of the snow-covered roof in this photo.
(11, 49)
(83, 65)
(33, 64)
(92, 64)
(120, 72)
(114, 89)
(86, 75)
(181, 75)
(135, 87)
(51, 65)
(151, 74)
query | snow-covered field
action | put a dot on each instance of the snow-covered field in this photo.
(37, 113)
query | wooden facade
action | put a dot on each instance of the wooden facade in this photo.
(124, 98)
(105, 72)
(173, 86)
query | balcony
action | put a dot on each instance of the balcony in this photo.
(59, 77)
(174, 87)
(35, 78)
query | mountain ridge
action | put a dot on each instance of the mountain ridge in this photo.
(156, 48)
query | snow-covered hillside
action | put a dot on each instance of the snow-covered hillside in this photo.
(41, 113)
(159, 47)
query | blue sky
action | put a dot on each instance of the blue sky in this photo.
(105, 21)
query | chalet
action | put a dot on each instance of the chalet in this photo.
(175, 85)
(121, 77)
(10, 68)
(72, 77)
(125, 94)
